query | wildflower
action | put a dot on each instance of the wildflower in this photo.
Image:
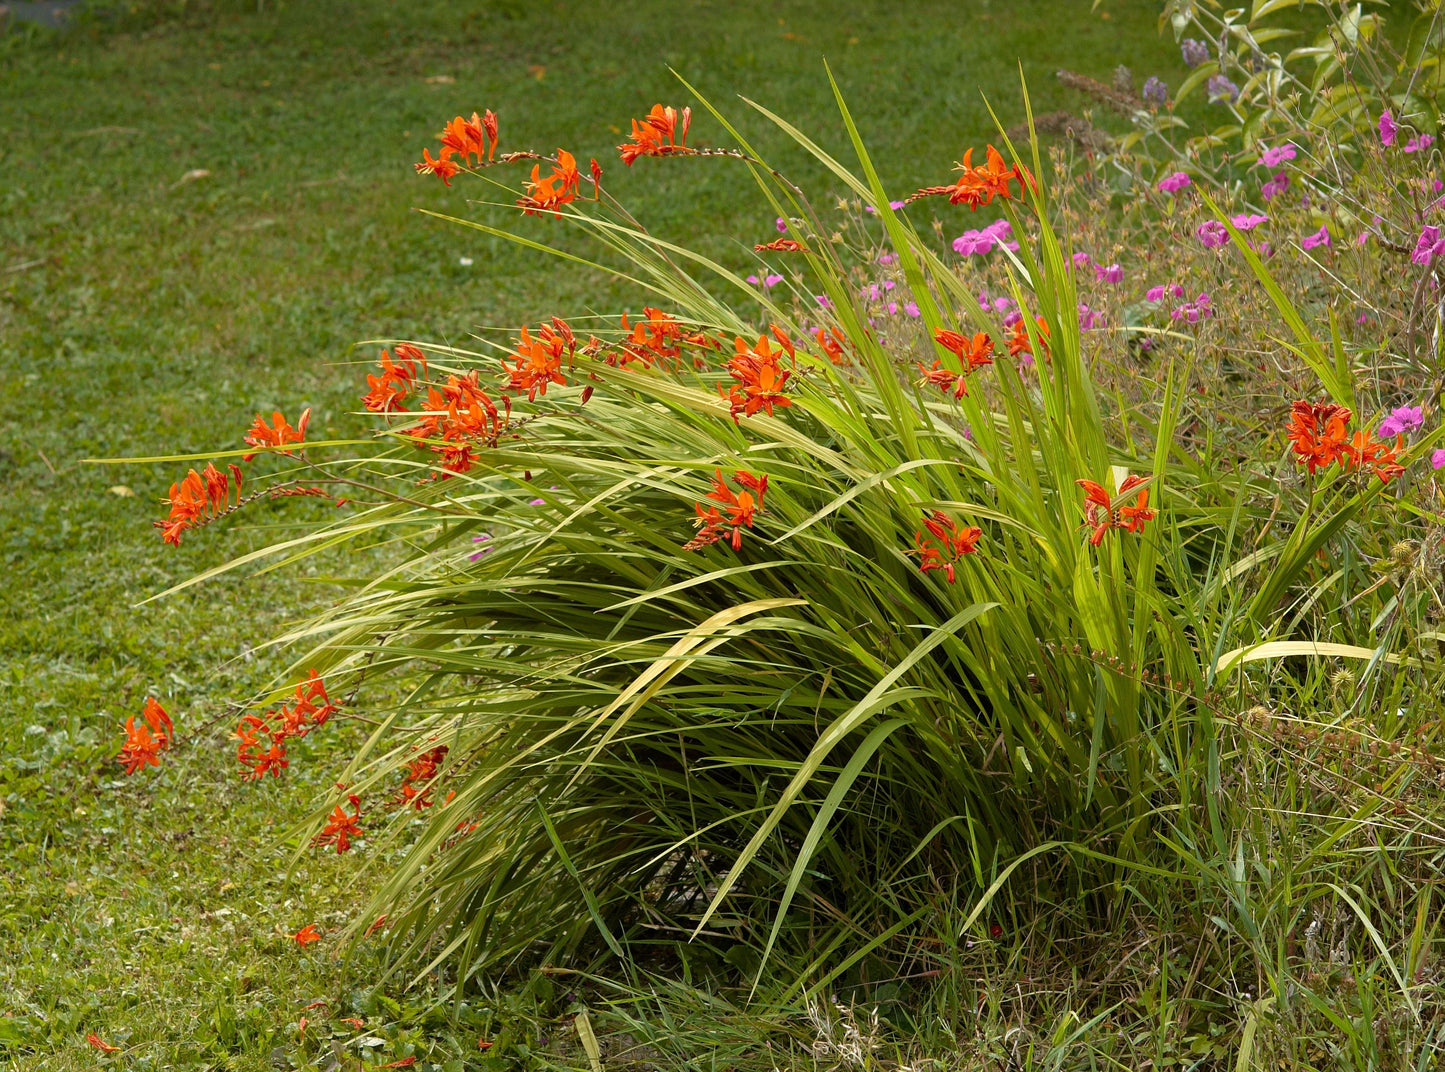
(1419, 143)
(1272, 158)
(886, 258)
(1428, 246)
(1316, 431)
(539, 360)
(1363, 449)
(781, 245)
(199, 498)
(910, 308)
(467, 138)
(100, 1044)
(557, 189)
(1212, 234)
(656, 338)
(1437, 458)
(760, 379)
(341, 827)
(1402, 419)
(306, 935)
(945, 545)
(1090, 318)
(830, 344)
(1173, 183)
(979, 184)
(1277, 185)
(420, 771)
(1108, 273)
(144, 742)
(1157, 294)
(1221, 90)
(389, 389)
(1081, 260)
(657, 125)
(1193, 311)
(1155, 92)
(972, 352)
(1387, 128)
(278, 434)
(1018, 341)
(1319, 238)
(823, 300)
(443, 169)
(742, 506)
(782, 225)
(1247, 221)
(1194, 52)
(985, 239)
(893, 308)
(1101, 514)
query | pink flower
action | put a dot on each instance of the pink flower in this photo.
(1437, 459)
(893, 308)
(1388, 128)
(1319, 238)
(1173, 183)
(1081, 260)
(1212, 233)
(1278, 184)
(1193, 311)
(896, 205)
(1248, 221)
(1112, 274)
(1089, 318)
(782, 224)
(768, 281)
(1428, 246)
(1271, 158)
(823, 300)
(911, 308)
(1157, 294)
(1402, 419)
(1419, 143)
(887, 258)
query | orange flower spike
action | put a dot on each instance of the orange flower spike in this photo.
(100, 1044)
(831, 345)
(946, 380)
(1132, 518)
(557, 189)
(1018, 342)
(144, 742)
(760, 381)
(464, 139)
(306, 935)
(1098, 510)
(953, 543)
(189, 502)
(278, 434)
(443, 168)
(648, 136)
(489, 125)
(1317, 433)
(341, 827)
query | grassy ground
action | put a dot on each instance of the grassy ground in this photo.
(203, 208)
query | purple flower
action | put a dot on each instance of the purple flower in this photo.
(1221, 90)
(1155, 92)
(1004, 305)
(1319, 238)
(1110, 274)
(1272, 158)
(1081, 260)
(1089, 318)
(1248, 221)
(1173, 183)
(983, 241)
(1012, 317)
(1419, 143)
(1212, 233)
(782, 224)
(1428, 246)
(1146, 343)
(1278, 184)
(1193, 311)
(1437, 459)
(823, 300)
(1388, 129)
(1402, 419)
(1264, 249)
(911, 308)
(1194, 52)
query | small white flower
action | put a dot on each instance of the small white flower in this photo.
(465, 262)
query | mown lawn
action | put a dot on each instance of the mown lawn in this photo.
(201, 210)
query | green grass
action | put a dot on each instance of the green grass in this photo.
(164, 310)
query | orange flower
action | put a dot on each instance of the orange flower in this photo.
(444, 168)
(539, 361)
(199, 498)
(100, 1044)
(379, 924)
(306, 935)
(831, 344)
(387, 390)
(420, 771)
(657, 338)
(1101, 514)
(145, 742)
(341, 827)
(973, 352)
(648, 137)
(1018, 340)
(781, 245)
(945, 545)
(1316, 431)
(278, 434)
(760, 379)
(468, 138)
(557, 189)
(1364, 449)
(742, 507)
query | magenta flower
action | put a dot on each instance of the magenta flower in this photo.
(1278, 184)
(893, 308)
(1089, 318)
(911, 308)
(1402, 419)
(1319, 238)
(1388, 129)
(887, 258)
(1212, 233)
(1173, 183)
(1081, 260)
(1419, 143)
(1111, 274)
(983, 241)
(1272, 158)
(487, 536)
(1437, 459)
(1193, 311)
(896, 205)
(1428, 246)
(823, 300)
(1246, 221)
(1156, 294)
